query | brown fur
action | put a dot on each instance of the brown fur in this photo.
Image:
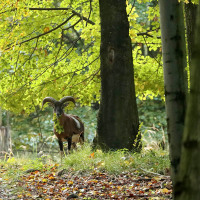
(73, 127)
(70, 128)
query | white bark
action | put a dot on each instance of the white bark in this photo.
(5, 141)
(0, 117)
(174, 63)
(5, 138)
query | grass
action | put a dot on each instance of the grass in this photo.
(153, 158)
(86, 160)
(30, 177)
(156, 161)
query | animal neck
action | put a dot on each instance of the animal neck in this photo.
(60, 118)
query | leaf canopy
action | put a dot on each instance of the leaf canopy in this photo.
(52, 48)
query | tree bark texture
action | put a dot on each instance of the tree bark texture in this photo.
(118, 115)
(0, 117)
(5, 140)
(190, 18)
(175, 80)
(188, 187)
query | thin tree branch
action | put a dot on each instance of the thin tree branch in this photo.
(32, 52)
(159, 64)
(142, 34)
(72, 25)
(147, 33)
(12, 78)
(89, 12)
(47, 82)
(7, 11)
(132, 8)
(74, 12)
(82, 17)
(89, 79)
(66, 54)
(36, 37)
(49, 9)
(40, 74)
(77, 71)
(45, 32)
(61, 42)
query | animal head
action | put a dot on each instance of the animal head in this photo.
(58, 106)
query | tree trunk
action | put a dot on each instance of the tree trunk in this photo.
(5, 141)
(118, 115)
(0, 117)
(5, 137)
(174, 63)
(188, 187)
(190, 16)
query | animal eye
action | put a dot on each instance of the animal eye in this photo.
(64, 105)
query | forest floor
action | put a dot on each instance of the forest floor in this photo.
(86, 174)
(50, 183)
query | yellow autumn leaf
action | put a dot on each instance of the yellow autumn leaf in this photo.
(164, 190)
(70, 182)
(46, 29)
(52, 178)
(63, 188)
(157, 178)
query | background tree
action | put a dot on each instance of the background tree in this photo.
(52, 48)
(174, 63)
(118, 115)
(0, 117)
(190, 16)
(188, 186)
(5, 135)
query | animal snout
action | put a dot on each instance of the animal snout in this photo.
(58, 114)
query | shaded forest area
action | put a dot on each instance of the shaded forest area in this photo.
(116, 83)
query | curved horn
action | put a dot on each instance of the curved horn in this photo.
(67, 98)
(48, 99)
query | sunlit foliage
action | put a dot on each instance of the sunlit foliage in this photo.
(55, 52)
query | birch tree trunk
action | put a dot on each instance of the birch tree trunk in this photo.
(4, 140)
(0, 117)
(9, 131)
(174, 63)
(188, 187)
(118, 115)
(5, 137)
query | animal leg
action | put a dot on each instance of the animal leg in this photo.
(61, 149)
(69, 140)
(82, 138)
